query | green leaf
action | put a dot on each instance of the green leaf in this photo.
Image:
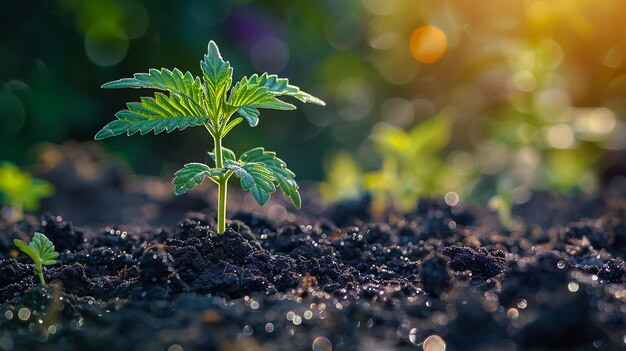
(283, 177)
(247, 97)
(193, 174)
(217, 79)
(280, 86)
(38, 190)
(26, 249)
(20, 189)
(254, 177)
(185, 85)
(162, 113)
(433, 134)
(40, 249)
(232, 125)
(250, 113)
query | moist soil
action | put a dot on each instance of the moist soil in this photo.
(142, 270)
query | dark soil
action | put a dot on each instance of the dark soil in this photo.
(283, 280)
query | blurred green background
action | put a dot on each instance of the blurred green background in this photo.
(535, 90)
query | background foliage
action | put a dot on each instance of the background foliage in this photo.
(536, 90)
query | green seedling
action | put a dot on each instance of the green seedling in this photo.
(540, 142)
(411, 167)
(344, 180)
(213, 102)
(41, 251)
(20, 191)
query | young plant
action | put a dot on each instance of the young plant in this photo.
(41, 251)
(212, 103)
(411, 167)
(20, 191)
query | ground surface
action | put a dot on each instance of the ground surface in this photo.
(279, 280)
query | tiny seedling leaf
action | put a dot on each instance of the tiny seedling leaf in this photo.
(40, 250)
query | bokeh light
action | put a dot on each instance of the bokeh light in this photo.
(428, 44)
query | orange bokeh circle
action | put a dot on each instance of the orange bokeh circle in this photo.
(428, 44)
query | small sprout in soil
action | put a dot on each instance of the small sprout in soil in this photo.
(213, 102)
(41, 251)
(400, 182)
(20, 191)
(502, 203)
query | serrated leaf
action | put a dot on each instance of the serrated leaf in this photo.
(193, 174)
(254, 177)
(185, 85)
(162, 113)
(217, 79)
(250, 113)
(283, 177)
(247, 97)
(280, 86)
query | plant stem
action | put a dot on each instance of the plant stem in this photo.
(221, 209)
(40, 274)
(222, 185)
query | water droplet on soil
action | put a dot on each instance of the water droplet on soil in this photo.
(23, 313)
(434, 343)
(322, 344)
(8, 315)
(413, 336)
(297, 320)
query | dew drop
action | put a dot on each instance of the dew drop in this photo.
(322, 344)
(297, 320)
(23, 313)
(413, 336)
(434, 343)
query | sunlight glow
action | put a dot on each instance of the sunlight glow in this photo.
(428, 44)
